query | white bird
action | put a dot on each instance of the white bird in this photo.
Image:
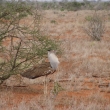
(43, 69)
(53, 59)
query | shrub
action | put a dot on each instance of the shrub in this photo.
(95, 26)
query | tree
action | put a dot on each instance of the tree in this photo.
(27, 46)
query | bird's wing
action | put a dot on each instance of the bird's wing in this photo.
(38, 71)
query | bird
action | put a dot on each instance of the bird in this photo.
(43, 69)
(38, 70)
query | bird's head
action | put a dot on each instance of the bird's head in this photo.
(51, 51)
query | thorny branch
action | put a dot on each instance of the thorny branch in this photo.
(14, 62)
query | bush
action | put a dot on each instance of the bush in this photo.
(95, 27)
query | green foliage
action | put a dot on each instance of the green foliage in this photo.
(53, 21)
(88, 18)
(57, 88)
(10, 15)
(15, 9)
(49, 5)
(71, 6)
(74, 5)
(106, 4)
(45, 44)
(62, 9)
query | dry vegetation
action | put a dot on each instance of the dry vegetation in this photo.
(84, 72)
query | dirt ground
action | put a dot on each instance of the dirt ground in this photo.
(82, 81)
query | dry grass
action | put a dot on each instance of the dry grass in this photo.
(93, 102)
(87, 57)
(85, 64)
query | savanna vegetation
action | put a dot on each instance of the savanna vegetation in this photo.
(80, 30)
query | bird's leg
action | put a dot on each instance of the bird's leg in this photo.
(54, 71)
(56, 76)
(45, 85)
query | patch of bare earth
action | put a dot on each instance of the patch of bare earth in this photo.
(84, 72)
